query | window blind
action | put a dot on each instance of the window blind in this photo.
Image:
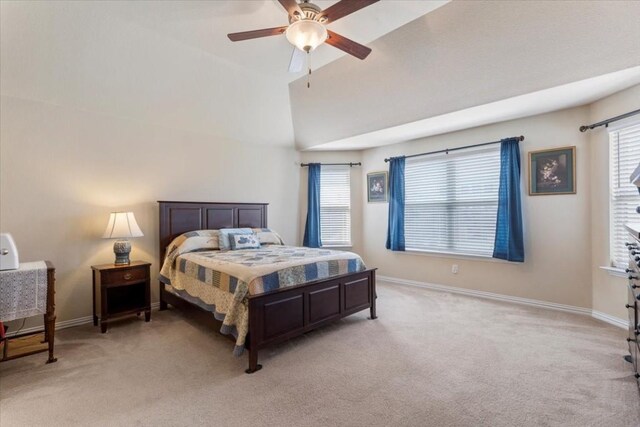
(624, 158)
(451, 202)
(335, 206)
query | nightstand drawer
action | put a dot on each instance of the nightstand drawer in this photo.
(129, 275)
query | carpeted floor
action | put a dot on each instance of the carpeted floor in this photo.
(430, 359)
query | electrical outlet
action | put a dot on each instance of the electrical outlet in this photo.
(454, 268)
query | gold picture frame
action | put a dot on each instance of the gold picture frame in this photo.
(552, 171)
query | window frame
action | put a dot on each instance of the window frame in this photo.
(614, 244)
(451, 238)
(349, 242)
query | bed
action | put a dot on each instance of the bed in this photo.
(266, 313)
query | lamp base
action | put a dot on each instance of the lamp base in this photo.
(122, 248)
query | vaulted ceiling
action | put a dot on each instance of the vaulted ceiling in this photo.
(170, 63)
(204, 24)
(465, 55)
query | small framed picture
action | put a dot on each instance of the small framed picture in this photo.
(552, 171)
(377, 187)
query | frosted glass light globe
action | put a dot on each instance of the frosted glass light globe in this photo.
(306, 35)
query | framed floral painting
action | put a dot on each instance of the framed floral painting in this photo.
(552, 171)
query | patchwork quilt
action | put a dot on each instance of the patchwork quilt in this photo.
(221, 281)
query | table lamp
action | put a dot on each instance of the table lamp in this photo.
(122, 225)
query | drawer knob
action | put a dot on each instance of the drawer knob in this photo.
(630, 340)
(637, 375)
(628, 306)
(128, 276)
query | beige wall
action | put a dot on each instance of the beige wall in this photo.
(566, 237)
(609, 292)
(557, 242)
(356, 191)
(63, 170)
(98, 114)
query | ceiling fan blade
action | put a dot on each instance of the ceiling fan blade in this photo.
(297, 60)
(349, 46)
(246, 35)
(344, 8)
(291, 6)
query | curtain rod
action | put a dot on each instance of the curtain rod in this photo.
(606, 122)
(447, 150)
(304, 165)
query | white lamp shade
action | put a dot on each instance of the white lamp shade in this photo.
(306, 35)
(122, 225)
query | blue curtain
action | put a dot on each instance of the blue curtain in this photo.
(509, 242)
(395, 229)
(312, 227)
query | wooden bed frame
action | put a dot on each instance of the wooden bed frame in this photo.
(278, 315)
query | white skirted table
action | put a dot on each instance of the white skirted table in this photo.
(26, 292)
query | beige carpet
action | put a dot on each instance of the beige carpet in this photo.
(430, 359)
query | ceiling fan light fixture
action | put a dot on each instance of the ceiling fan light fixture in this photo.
(306, 34)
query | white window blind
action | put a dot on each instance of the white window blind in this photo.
(624, 158)
(335, 206)
(451, 202)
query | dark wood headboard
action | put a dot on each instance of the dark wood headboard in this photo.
(179, 217)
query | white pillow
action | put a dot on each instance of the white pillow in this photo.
(224, 236)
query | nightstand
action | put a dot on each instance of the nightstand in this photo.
(120, 290)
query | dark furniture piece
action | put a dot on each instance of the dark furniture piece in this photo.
(29, 347)
(278, 315)
(634, 300)
(120, 290)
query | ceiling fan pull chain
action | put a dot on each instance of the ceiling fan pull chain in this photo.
(309, 68)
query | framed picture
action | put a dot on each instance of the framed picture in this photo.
(552, 171)
(377, 187)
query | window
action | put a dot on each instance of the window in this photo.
(451, 202)
(624, 146)
(335, 206)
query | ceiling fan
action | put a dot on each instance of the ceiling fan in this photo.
(307, 29)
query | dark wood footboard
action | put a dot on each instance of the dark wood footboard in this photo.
(287, 313)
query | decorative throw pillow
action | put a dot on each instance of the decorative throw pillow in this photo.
(224, 236)
(244, 241)
(268, 236)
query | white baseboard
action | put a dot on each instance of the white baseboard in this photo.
(65, 323)
(507, 298)
(615, 321)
